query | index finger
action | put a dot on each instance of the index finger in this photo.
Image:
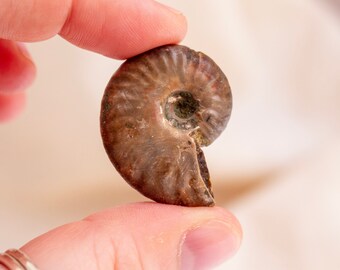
(115, 28)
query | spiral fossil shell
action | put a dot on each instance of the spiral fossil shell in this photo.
(157, 111)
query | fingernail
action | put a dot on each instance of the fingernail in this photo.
(208, 246)
(173, 10)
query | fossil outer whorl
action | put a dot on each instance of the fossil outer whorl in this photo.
(158, 109)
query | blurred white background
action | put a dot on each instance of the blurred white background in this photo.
(277, 165)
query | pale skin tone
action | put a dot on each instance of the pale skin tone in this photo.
(135, 236)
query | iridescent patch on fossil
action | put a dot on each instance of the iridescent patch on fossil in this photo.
(158, 110)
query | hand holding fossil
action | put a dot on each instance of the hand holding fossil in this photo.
(136, 236)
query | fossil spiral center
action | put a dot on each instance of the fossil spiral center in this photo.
(185, 105)
(180, 108)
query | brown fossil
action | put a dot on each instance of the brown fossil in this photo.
(158, 109)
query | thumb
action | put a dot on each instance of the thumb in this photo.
(140, 236)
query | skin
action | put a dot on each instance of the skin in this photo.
(135, 236)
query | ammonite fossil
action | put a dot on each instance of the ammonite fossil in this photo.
(158, 110)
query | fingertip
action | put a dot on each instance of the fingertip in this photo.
(208, 245)
(11, 105)
(180, 19)
(159, 25)
(125, 28)
(206, 236)
(212, 242)
(16, 67)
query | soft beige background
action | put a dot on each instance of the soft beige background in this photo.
(277, 166)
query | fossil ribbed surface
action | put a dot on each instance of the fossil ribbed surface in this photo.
(158, 109)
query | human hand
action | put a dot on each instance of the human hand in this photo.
(137, 236)
(140, 236)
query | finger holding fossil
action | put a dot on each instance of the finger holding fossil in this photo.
(158, 110)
